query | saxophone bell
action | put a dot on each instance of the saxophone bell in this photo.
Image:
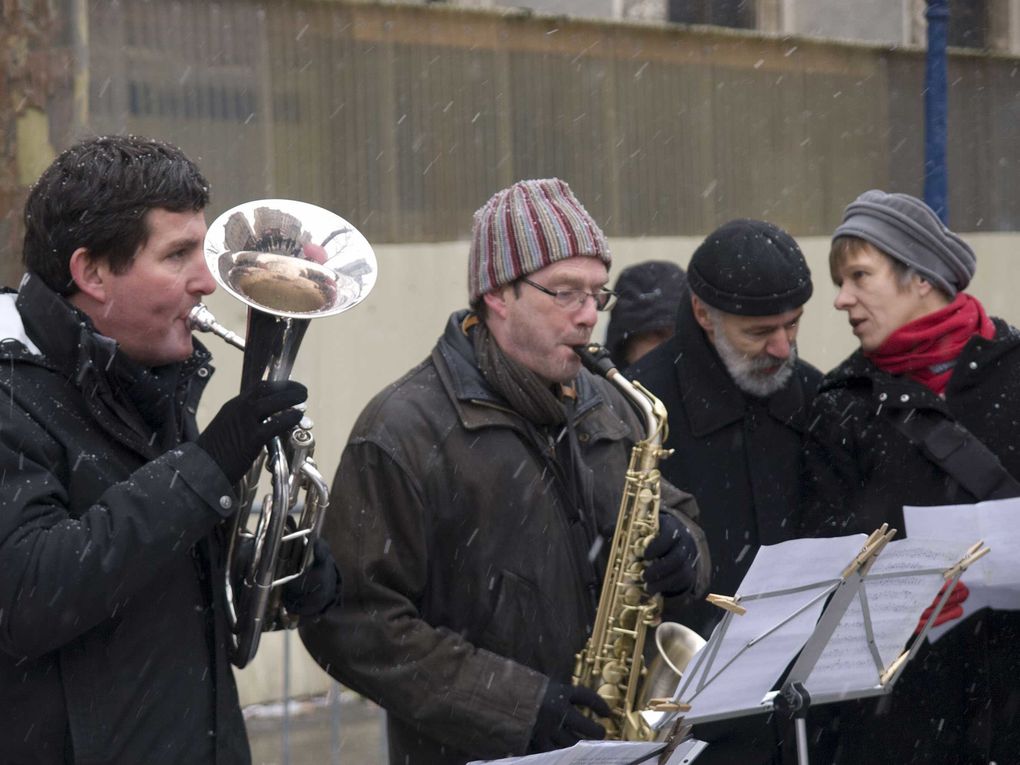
(675, 646)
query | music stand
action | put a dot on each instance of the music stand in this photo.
(819, 634)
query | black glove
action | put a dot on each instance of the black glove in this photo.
(318, 588)
(673, 555)
(248, 422)
(560, 723)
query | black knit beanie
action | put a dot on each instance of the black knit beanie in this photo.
(648, 296)
(751, 268)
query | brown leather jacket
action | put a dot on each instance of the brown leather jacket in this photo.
(467, 580)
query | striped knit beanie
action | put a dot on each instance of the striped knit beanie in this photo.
(527, 227)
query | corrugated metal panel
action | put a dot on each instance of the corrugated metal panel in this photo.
(404, 119)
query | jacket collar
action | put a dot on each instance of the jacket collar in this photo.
(466, 386)
(53, 327)
(14, 338)
(902, 392)
(66, 340)
(465, 380)
(64, 335)
(710, 398)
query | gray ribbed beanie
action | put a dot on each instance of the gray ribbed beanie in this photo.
(906, 229)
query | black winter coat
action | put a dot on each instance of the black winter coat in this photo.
(859, 472)
(466, 574)
(112, 642)
(738, 454)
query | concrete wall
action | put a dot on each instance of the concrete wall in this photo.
(346, 359)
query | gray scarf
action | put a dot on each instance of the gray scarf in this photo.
(523, 389)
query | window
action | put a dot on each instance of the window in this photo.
(724, 13)
(968, 23)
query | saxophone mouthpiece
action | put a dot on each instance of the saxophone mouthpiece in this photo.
(596, 359)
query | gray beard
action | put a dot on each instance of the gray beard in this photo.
(746, 371)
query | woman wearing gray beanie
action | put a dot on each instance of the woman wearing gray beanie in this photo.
(923, 413)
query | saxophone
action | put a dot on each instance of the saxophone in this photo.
(612, 662)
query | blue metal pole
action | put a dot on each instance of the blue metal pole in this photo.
(935, 109)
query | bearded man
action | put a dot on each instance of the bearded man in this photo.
(737, 397)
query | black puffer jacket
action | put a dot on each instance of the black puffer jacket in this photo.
(466, 574)
(112, 644)
(859, 472)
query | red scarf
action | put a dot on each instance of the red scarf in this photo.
(925, 349)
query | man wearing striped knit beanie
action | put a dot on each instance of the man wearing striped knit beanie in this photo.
(477, 500)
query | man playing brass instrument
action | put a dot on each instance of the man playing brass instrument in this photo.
(476, 499)
(113, 637)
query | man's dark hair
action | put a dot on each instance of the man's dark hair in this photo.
(96, 194)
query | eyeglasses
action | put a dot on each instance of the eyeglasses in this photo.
(571, 300)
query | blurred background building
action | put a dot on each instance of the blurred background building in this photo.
(980, 24)
(406, 116)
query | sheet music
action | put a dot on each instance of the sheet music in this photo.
(777, 592)
(785, 592)
(853, 659)
(607, 753)
(994, 581)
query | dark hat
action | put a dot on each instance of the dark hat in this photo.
(529, 226)
(648, 295)
(751, 268)
(906, 229)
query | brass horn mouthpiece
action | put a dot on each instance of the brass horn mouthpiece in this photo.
(200, 319)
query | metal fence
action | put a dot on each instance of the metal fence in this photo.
(406, 118)
(338, 728)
